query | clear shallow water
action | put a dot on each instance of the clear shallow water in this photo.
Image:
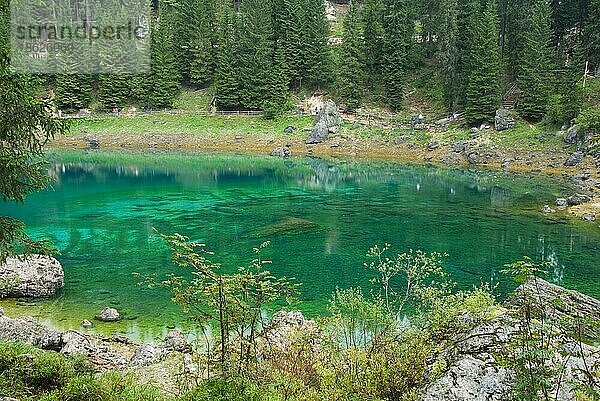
(321, 217)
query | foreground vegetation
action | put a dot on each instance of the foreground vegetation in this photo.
(362, 350)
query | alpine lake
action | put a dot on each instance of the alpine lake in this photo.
(103, 211)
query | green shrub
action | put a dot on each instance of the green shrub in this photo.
(229, 390)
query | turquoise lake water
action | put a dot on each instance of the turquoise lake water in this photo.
(321, 217)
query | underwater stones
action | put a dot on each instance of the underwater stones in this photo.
(288, 225)
(109, 315)
(34, 276)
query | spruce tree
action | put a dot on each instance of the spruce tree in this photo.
(289, 33)
(373, 41)
(448, 52)
(164, 74)
(316, 53)
(226, 74)
(469, 13)
(569, 87)
(351, 64)
(591, 31)
(483, 84)
(397, 35)
(537, 61)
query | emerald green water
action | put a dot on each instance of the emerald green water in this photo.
(102, 208)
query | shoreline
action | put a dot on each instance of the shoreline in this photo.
(486, 151)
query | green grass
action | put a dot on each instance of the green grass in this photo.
(188, 124)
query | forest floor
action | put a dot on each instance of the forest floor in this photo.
(527, 148)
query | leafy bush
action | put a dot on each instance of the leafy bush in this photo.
(28, 374)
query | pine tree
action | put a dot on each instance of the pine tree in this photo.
(288, 31)
(449, 53)
(469, 13)
(351, 64)
(373, 41)
(226, 73)
(591, 31)
(164, 74)
(483, 85)
(397, 35)
(316, 53)
(535, 73)
(255, 52)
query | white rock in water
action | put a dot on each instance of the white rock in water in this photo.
(109, 315)
(35, 276)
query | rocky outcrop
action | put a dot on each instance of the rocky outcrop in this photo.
(572, 134)
(328, 122)
(503, 120)
(285, 327)
(477, 368)
(35, 277)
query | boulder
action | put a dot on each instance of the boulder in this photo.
(578, 199)
(433, 145)
(29, 331)
(109, 315)
(574, 159)
(474, 133)
(145, 355)
(589, 217)
(282, 152)
(471, 379)
(176, 340)
(289, 129)
(561, 202)
(460, 147)
(35, 276)
(473, 158)
(328, 122)
(401, 139)
(572, 134)
(284, 326)
(503, 120)
(548, 210)
(86, 324)
(93, 143)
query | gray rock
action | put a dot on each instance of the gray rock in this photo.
(176, 340)
(35, 276)
(589, 217)
(474, 133)
(572, 305)
(503, 120)
(574, 159)
(548, 210)
(76, 343)
(460, 147)
(26, 330)
(578, 199)
(282, 152)
(109, 315)
(433, 145)
(93, 143)
(471, 379)
(572, 135)
(146, 355)
(473, 158)
(8, 399)
(289, 129)
(328, 122)
(86, 324)
(401, 139)
(561, 202)
(507, 161)
(281, 330)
